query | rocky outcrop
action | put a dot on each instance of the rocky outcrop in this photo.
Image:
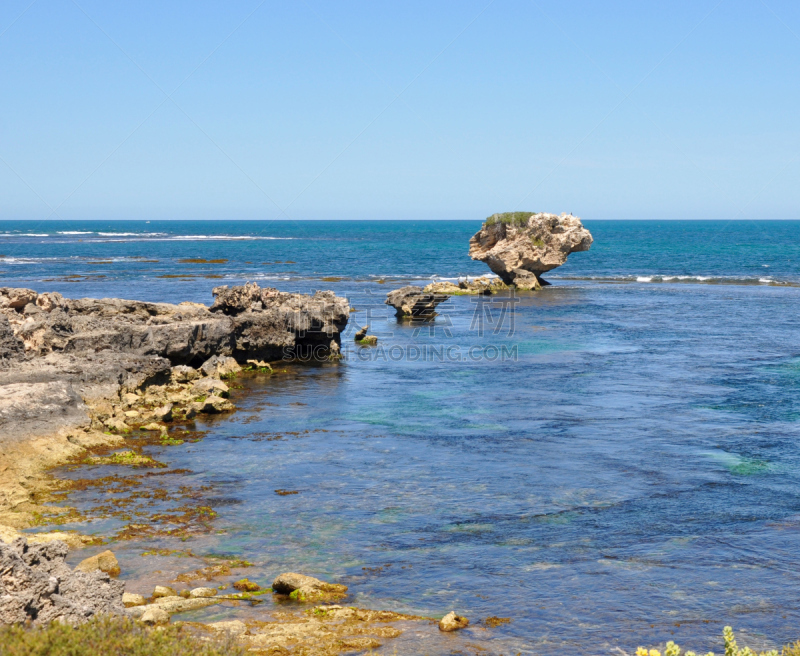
(485, 285)
(244, 322)
(414, 303)
(37, 586)
(73, 372)
(520, 246)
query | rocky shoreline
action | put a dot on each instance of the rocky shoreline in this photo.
(77, 378)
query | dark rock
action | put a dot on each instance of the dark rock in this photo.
(414, 303)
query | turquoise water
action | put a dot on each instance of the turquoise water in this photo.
(627, 474)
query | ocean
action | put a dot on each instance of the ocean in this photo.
(612, 461)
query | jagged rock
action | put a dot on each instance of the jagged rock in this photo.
(520, 246)
(116, 424)
(212, 405)
(16, 298)
(105, 562)
(163, 413)
(361, 334)
(184, 374)
(220, 366)
(210, 386)
(11, 347)
(307, 588)
(129, 600)
(453, 622)
(414, 303)
(276, 325)
(37, 586)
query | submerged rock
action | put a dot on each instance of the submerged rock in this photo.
(37, 586)
(520, 246)
(414, 303)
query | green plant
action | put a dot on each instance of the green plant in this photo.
(519, 219)
(107, 635)
(731, 648)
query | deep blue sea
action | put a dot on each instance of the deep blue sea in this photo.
(613, 461)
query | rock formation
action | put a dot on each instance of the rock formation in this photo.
(485, 286)
(37, 586)
(414, 303)
(520, 246)
(75, 373)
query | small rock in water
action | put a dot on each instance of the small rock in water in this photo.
(246, 585)
(129, 600)
(153, 616)
(453, 622)
(105, 562)
(361, 334)
(307, 588)
(202, 592)
(163, 591)
(154, 427)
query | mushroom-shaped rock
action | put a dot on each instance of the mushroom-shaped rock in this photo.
(520, 246)
(307, 588)
(453, 622)
(414, 303)
(105, 562)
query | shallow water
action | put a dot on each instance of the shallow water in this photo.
(627, 474)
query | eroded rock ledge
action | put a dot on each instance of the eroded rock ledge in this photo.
(79, 373)
(520, 246)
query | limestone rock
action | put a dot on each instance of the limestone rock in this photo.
(234, 627)
(153, 426)
(37, 586)
(484, 285)
(163, 591)
(105, 562)
(154, 616)
(517, 245)
(307, 588)
(361, 334)
(212, 405)
(414, 303)
(129, 600)
(453, 622)
(221, 366)
(184, 374)
(214, 386)
(163, 413)
(203, 592)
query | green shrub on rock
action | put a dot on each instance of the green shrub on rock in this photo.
(107, 635)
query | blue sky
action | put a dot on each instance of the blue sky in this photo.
(419, 110)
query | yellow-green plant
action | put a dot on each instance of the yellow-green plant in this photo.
(731, 648)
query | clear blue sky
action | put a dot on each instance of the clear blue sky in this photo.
(418, 110)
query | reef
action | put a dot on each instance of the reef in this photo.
(520, 246)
